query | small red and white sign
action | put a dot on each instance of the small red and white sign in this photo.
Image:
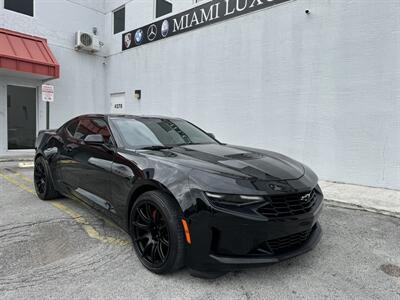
(48, 93)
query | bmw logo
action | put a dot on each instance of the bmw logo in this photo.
(165, 28)
(138, 36)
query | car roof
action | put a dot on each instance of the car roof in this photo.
(127, 116)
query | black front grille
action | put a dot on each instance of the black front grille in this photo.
(284, 244)
(289, 204)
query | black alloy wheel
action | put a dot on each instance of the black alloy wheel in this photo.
(157, 232)
(39, 176)
(42, 180)
(151, 234)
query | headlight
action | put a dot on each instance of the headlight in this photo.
(236, 200)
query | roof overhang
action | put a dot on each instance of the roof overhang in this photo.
(27, 56)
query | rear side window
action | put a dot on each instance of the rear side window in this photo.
(92, 126)
(71, 127)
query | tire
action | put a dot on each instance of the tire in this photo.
(153, 217)
(43, 181)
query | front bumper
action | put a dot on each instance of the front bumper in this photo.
(225, 241)
(240, 262)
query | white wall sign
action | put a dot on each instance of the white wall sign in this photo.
(118, 103)
(47, 93)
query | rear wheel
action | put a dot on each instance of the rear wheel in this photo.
(42, 180)
(157, 232)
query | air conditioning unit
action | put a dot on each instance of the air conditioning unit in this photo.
(86, 41)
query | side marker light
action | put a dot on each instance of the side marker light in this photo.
(186, 230)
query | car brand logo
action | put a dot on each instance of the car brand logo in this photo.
(152, 32)
(128, 39)
(165, 28)
(138, 36)
(306, 197)
(275, 187)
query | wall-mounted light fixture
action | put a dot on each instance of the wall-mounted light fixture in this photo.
(138, 94)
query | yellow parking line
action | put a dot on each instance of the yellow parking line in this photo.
(16, 174)
(27, 179)
(14, 182)
(23, 177)
(89, 229)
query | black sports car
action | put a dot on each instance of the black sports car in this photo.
(184, 197)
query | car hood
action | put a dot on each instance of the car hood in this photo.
(236, 160)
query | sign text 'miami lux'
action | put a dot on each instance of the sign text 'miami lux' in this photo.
(199, 16)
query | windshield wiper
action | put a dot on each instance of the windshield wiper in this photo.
(189, 144)
(155, 147)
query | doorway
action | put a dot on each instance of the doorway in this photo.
(21, 117)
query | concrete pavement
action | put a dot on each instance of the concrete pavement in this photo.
(64, 250)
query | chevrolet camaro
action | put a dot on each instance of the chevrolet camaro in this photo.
(185, 198)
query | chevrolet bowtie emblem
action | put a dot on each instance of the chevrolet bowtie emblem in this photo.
(306, 197)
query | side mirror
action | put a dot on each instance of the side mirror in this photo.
(94, 139)
(211, 135)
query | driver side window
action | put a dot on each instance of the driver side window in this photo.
(92, 126)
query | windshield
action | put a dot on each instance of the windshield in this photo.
(147, 132)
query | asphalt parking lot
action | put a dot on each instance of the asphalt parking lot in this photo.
(62, 249)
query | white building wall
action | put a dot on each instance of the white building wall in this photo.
(322, 88)
(81, 87)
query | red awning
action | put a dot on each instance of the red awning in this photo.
(25, 53)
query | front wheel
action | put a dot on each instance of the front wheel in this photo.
(157, 233)
(43, 181)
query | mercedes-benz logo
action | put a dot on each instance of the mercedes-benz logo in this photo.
(152, 32)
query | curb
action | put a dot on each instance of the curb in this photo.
(27, 159)
(378, 200)
(335, 203)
